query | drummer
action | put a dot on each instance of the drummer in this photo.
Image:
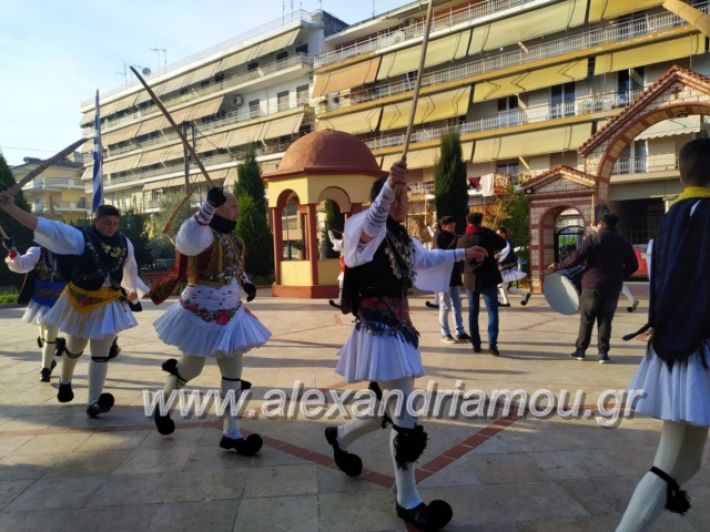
(609, 260)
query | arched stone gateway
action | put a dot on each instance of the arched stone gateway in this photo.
(325, 165)
(679, 92)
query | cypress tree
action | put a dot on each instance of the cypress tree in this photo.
(450, 184)
(20, 234)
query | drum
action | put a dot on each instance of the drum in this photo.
(562, 290)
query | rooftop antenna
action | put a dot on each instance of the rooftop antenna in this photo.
(373, 8)
(164, 56)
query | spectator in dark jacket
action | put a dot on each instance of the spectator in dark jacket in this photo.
(609, 260)
(482, 279)
(445, 238)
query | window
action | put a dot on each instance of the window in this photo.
(254, 108)
(508, 114)
(510, 168)
(302, 95)
(302, 49)
(280, 56)
(562, 100)
(252, 65)
(219, 77)
(282, 101)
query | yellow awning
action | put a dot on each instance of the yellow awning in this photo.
(125, 163)
(438, 51)
(528, 25)
(532, 80)
(153, 124)
(176, 151)
(552, 140)
(212, 142)
(117, 105)
(354, 123)
(177, 83)
(607, 9)
(235, 59)
(282, 127)
(125, 133)
(346, 78)
(672, 127)
(425, 158)
(87, 118)
(245, 135)
(195, 177)
(650, 54)
(207, 108)
(430, 108)
(275, 44)
(152, 157)
(204, 72)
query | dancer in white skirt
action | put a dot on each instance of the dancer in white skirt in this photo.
(382, 262)
(42, 286)
(94, 306)
(509, 271)
(675, 372)
(210, 320)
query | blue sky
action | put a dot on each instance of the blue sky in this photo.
(56, 53)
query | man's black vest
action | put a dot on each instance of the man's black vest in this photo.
(102, 257)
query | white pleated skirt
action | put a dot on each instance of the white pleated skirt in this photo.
(194, 336)
(512, 274)
(371, 357)
(107, 320)
(680, 394)
(35, 313)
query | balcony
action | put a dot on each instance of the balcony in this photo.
(667, 162)
(604, 102)
(176, 169)
(395, 36)
(208, 124)
(61, 206)
(602, 34)
(39, 184)
(229, 82)
(296, 16)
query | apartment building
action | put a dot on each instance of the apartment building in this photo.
(57, 192)
(251, 90)
(525, 83)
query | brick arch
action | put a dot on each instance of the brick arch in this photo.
(678, 92)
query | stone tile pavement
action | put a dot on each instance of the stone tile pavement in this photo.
(62, 471)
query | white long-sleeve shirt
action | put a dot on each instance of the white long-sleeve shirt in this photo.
(64, 239)
(24, 263)
(432, 267)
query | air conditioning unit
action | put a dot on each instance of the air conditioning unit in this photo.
(238, 100)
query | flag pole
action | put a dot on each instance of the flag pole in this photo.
(97, 177)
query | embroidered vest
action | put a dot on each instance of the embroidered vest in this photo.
(89, 270)
(219, 263)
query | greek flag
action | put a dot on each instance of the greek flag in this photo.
(98, 156)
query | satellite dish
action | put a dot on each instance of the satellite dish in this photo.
(146, 71)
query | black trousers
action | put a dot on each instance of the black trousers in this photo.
(599, 306)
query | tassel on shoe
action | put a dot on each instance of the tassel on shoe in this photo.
(677, 500)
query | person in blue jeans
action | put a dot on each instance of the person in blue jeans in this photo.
(481, 280)
(445, 238)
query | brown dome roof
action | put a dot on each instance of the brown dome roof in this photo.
(328, 152)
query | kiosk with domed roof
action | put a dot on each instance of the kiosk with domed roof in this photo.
(324, 165)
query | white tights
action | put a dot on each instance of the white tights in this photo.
(190, 366)
(99, 347)
(48, 333)
(407, 494)
(679, 454)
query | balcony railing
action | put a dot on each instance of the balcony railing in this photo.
(243, 38)
(60, 182)
(599, 35)
(70, 206)
(228, 82)
(394, 36)
(178, 167)
(205, 126)
(584, 105)
(639, 165)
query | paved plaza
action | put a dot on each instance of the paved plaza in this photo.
(60, 470)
